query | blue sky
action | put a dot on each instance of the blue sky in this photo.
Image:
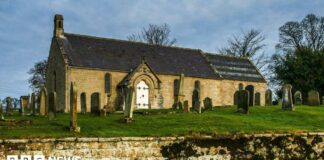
(26, 27)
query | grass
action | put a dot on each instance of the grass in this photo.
(219, 121)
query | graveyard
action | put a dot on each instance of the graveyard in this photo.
(170, 122)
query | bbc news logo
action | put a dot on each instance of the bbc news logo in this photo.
(39, 157)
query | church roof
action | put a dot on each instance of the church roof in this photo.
(121, 55)
(235, 68)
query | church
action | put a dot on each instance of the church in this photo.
(103, 68)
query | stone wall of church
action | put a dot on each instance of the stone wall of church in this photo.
(56, 75)
(90, 81)
(221, 92)
(229, 87)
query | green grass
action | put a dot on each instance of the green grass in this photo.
(219, 121)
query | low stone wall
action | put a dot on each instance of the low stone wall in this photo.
(258, 146)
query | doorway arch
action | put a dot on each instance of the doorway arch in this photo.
(142, 95)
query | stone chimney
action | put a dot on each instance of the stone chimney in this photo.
(58, 25)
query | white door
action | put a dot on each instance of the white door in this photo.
(142, 95)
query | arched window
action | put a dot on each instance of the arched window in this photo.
(108, 83)
(54, 81)
(176, 87)
(197, 85)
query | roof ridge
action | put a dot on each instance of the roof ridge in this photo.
(229, 56)
(135, 42)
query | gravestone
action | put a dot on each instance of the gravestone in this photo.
(235, 97)
(322, 100)
(177, 105)
(95, 103)
(186, 108)
(73, 108)
(287, 102)
(268, 97)
(243, 101)
(208, 104)
(52, 104)
(313, 98)
(43, 102)
(33, 103)
(199, 110)
(24, 103)
(298, 98)
(257, 99)
(129, 106)
(8, 106)
(195, 99)
(83, 100)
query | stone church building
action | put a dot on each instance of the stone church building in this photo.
(102, 68)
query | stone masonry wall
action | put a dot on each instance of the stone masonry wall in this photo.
(220, 91)
(258, 146)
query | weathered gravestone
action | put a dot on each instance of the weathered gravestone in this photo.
(8, 106)
(43, 102)
(177, 105)
(208, 103)
(33, 103)
(178, 93)
(287, 102)
(186, 108)
(52, 104)
(73, 109)
(298, 98)
(243, 101)
(313, 98)
(196, 99)
(24, 102)
(268, 97)
(235, 97)
(199, 110)
(129, 106)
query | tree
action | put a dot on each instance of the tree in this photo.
(38, 75)
(250, 45)
(154, 34)
(300, 55)
(308, 33)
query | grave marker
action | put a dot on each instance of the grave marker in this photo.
(287, 102)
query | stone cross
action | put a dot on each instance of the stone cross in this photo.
(313, 98)
(208, 103)
(186, 106)
(243, 101)
(298, 98)
(8, 106)
(73, 108)
(287, 102)
(52, 105)
(33, 103)
(129, 106)
(179, 95)
(43, 102)
(268, 97)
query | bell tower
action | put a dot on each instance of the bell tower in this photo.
(58, 25)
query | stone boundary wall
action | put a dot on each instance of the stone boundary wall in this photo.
(243, 146)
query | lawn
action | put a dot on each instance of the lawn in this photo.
(268, 119)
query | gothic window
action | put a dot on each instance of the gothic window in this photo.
(197, 85)
(175, 87)
(108, 83)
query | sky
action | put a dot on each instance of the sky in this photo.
(26, 27)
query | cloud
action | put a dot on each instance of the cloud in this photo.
(26, 26)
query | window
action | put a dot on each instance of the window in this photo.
(108, 83)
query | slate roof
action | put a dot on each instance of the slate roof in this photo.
(119, 55)
(122, 55)
(235, 68)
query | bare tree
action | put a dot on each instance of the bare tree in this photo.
(38, 75)
(154, 34)
(248, 44)
(309, 33)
